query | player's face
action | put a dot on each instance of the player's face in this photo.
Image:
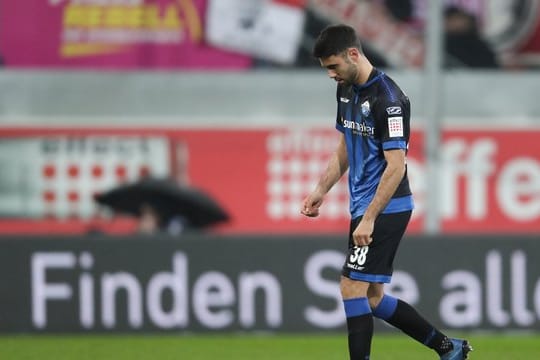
(340, 68)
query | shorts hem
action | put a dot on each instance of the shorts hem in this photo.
(372, 278)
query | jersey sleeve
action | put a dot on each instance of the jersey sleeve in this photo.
(339, 119)
(393, 123)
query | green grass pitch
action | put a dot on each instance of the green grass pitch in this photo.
(248, 347)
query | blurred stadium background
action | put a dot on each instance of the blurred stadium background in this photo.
(223, 96)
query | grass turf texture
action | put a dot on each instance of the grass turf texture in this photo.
(240, 347)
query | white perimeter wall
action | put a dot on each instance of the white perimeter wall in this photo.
(252, 99)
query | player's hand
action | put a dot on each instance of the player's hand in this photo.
(363, 234)
(311, 204)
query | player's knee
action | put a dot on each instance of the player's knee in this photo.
(375, 295)
(374, 300)
(352, 288)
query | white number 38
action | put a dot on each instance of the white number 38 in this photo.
(359, 255)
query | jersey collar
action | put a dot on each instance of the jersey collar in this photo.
(374, 76)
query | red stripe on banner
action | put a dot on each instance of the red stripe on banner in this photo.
(117, 226)
(295, 3)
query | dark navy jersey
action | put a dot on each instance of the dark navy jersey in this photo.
(373, 117)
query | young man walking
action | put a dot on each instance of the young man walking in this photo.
(373, 117)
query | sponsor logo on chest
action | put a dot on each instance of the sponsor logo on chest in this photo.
(359, 128)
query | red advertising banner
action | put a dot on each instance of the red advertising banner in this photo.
(490, 180)
(123, 34)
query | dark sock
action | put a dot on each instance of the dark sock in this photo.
(360, 327)
(404, 317)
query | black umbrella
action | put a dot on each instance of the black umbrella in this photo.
(168, 199)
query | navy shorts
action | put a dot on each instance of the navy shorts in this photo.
(374, 263)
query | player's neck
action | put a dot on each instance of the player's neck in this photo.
(364, 70)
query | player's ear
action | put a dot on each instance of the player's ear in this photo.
(353, 53)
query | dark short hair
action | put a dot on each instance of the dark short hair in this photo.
(335, 39)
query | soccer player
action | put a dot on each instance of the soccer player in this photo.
(373, 117)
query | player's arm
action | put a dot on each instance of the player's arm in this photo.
(391, 177)
(337, 166)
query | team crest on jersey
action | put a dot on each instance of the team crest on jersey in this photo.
(365, 108)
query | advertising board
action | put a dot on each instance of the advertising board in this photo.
(202, 283)
(489, 179)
